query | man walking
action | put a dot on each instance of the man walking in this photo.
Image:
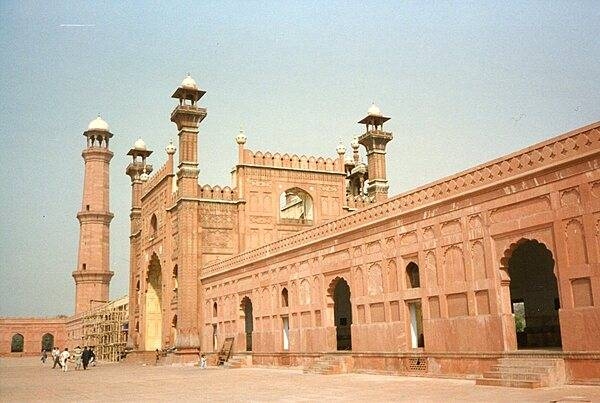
(85, 357)
(56, 357)
(64, 359)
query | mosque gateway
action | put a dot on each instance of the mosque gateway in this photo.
(308, 261)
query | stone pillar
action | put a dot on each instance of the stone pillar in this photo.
(92, 275)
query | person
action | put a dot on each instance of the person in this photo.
(92, 357)
(64, 359)
(77, 356)
(56, 357)
(202, 361)
(44, 356)
(85, 357)
(157, 357)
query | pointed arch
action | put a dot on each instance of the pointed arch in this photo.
(17, 343)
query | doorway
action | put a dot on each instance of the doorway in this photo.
(286, 333)
(248, 322)
(534, 295)
(342, 313)
(416, 324)
(215, 338)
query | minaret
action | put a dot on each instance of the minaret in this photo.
(92, 275)
(375, 140)
(187, 115)
(138, 170)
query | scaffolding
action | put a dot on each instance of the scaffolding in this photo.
(105, 329)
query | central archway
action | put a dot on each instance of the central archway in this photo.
(342, 314)
(153, 336)
(534, 294)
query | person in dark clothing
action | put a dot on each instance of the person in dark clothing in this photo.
(85, 357)
(92, 357)
(56, 357)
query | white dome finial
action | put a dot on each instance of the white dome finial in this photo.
(189, 82)
(241, 137)
(98, 124)
(341, 148)
(140, 144)
(171, 148)
(374, 110)
(354, 144)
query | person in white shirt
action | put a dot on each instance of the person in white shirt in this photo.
(56, 357)
(64, 359)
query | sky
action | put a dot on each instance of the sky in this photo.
(463, 82)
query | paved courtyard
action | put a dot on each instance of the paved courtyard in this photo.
(27, 380)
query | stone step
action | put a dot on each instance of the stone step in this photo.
(543, 378)
(522, 369)
(545, 362)
(510, 383)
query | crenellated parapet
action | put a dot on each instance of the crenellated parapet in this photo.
(217, 193)
(358, 202)
(293, 161)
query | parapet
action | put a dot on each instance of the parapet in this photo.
(293, 161)
(217, 193)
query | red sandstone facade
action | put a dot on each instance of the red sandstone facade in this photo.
(31, 335)
(303, 256)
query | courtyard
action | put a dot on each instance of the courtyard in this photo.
(26, 380)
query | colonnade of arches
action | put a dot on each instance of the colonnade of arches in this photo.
(528, 265)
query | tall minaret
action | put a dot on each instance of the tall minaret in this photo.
(187, 115)
(375, 141)
(92, 275)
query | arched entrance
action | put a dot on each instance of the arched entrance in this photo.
(533, 294)
(342, 314)
(246, 306)
(17, 343)
(153, 336)
(47, 342)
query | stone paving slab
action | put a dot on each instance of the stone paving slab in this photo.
(27, 380)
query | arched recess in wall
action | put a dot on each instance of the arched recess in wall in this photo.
(17, 342)
(154, 304)
(215, 309)
(153, 225)
(413, 279)
(392, 276)
(529, 272)
(295, 207)
(174, 330)
(339, 294)
(248, 315)
(284, 297)
(47, 341)
(175, 279)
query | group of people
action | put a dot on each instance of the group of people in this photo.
(82, 358)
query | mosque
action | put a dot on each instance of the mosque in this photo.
(493, 272)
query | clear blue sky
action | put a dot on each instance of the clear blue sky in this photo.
(463, 82)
